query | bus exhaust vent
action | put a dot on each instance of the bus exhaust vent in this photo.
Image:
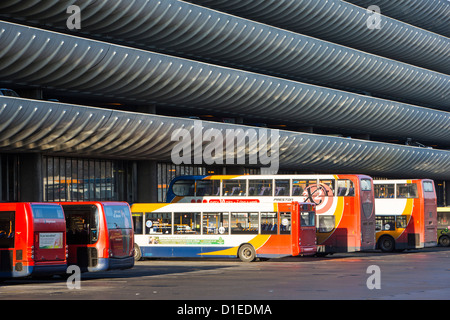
(413, 240)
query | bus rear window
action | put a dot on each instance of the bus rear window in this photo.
(428, 186)
(43, 211)
(366, 185)
(118, 217)
(307, 219)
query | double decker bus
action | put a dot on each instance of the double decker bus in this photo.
(32, 240)
(406, 215)
(443, 233)
(99, 235)
(344, 203)
(244, 230)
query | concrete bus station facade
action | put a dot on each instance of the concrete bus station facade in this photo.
(103, 87)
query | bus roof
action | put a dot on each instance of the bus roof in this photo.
(267, 176)
(112, 203)
(398, 181)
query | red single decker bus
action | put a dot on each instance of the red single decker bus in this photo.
(32, 240)
(99, 235)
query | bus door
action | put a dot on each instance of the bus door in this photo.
(367, 214)
(82, 224)
(307, 235)
(7, 236)
(49, 229)
(429, 213)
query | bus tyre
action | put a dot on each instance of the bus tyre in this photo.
(247, 253)
(444, 241)
(386, 244)
(137, 253)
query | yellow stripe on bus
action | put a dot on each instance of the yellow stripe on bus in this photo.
(399, 231)
(257, 242)
(338, 213)
(408, 207)
(147, 207)
(221, 177)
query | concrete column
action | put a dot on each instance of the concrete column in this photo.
(235, 170)
(447, 193)
(30, 177)
(147, 181)
(31, 93)
(151, 109)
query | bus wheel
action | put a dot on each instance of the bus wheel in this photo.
(386, 244)
(137, 253)
(444, 241)
(247, 253)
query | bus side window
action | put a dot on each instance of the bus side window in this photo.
(215, 223)
(407, 190)
(385, 223)
(285, 222)
(401, 222)
(269, 222)
(345, 188)
(281, 188)
(207, 188)
(384, 191)
(325, 223)
(443, 219)
(234, 187)
(158, 223)
(244, 222)
(184, 188)
(328, 186)
(7, 226)
(260, 188)
(187, 222)
(299, 187)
